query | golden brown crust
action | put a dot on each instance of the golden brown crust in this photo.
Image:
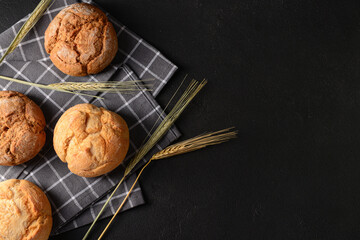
(81, 40)
(25, 211)
(22, 125)
(92, 140)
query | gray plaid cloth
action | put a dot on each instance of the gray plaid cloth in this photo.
(75, 200)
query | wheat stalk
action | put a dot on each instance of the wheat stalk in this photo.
(75, 87)
(196, 143)
(168, 121)
(110, 86)
(28, 25)
(43, 86)
(189, 94)
(189, 145)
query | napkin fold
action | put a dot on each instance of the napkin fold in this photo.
(75, 200)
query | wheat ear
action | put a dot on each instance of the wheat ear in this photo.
(196, 143)
(189, 145)
(28, 25)
(189, 94)
(110, 86)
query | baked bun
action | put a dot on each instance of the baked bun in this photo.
(25, 211)
(22, 125)
(92, 140)
(81, 40)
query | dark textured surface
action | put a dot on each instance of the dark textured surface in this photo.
(286, 74)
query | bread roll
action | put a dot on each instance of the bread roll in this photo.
(91, 140)
(81, 40)
(25, 212)
(22, 125)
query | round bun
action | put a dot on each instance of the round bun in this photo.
(25, 211)
(22, 125)
(81, 40)
(92, 140)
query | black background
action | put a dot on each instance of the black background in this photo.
(286, 74)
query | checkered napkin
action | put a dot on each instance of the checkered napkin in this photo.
(75, 200)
